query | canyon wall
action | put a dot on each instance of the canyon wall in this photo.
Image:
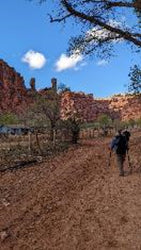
(124, 107)
(13, 93)
(128, 106)
(15, 97)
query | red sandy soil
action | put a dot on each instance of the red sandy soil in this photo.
(73, 202)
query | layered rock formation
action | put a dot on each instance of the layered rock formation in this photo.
(124, 107)
(15, 97)
(128, 106)
(13, 93)
(84, 105)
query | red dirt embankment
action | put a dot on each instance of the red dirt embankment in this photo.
(73, 202)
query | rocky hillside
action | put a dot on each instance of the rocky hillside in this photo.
(124, 107)
(128, 106)
(13, 93)
(14, 96)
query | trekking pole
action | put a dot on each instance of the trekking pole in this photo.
(129, 162)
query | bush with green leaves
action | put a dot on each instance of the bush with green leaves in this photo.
(8, 119)
(104, 121)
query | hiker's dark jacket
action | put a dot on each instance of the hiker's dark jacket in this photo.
(119, 144)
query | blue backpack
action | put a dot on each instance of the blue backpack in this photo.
(119, 144)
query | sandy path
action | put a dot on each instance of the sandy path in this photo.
(73, 202)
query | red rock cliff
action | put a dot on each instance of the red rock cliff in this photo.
(14, 96)
(13, 93)
(124, 107)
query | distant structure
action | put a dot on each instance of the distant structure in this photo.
(32, 84)
(54, 84)
(53, 87)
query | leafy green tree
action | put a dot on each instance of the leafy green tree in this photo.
(104, 122)
(101, 23)
(135, 79)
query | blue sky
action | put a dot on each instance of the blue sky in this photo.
(33, 46)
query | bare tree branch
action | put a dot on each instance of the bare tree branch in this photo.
(52, 20)
(92, 19)
(100, 16)
(135, 4)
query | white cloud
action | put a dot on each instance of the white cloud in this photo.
(115, 23)
(102, 62)
(101, 33)
(34, 59)
(80, 66)
(67, 62)
(83, 64)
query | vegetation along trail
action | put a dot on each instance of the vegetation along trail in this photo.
(73, 201)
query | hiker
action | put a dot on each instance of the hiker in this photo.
(75, 129)
(119, 145)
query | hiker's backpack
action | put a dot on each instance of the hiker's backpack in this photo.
(119, 144)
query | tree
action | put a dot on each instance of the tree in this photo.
(45, 111)
(73, 120)
(102, 23)
(135, 80)
(74, 125)
(63, 88)
(104, 121)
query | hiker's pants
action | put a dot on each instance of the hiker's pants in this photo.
(120, 162)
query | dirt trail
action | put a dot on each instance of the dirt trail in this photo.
(73, 202)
